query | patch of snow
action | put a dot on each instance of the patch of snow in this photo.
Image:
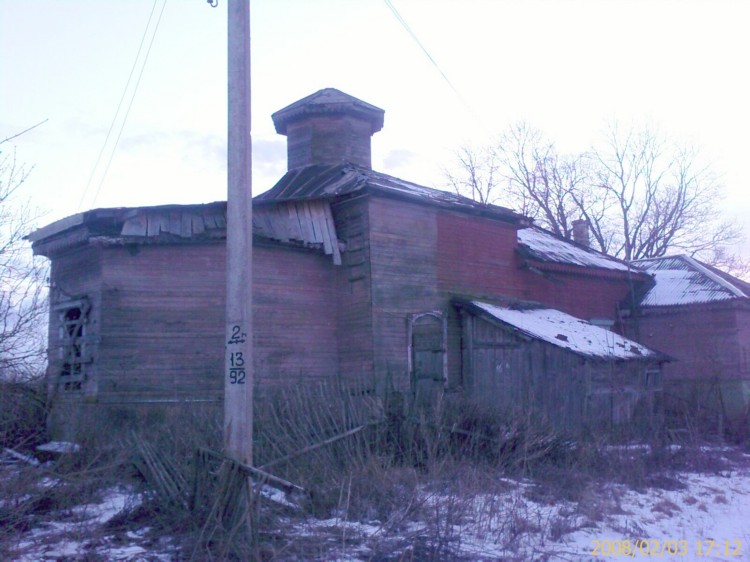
(277, 496)
(710, 508)
(59, 447)
(548, 247)
(568, 332)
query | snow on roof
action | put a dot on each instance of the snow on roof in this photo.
(684, 280)
(545, 246)
(568, 332)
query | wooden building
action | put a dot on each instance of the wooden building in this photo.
(355, 278)
(538, 361)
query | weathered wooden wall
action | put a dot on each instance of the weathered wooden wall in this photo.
(526, 377)
(403, 254)
(295, 302)
(476, 258)
(76, 274)
(163, 311)
(353, 311)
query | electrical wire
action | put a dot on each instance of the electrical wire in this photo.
(413, 35)
(119, 105)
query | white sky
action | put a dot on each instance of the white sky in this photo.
(565, 66)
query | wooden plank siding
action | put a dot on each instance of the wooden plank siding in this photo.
(524, 377)
(164, 312)
(163, 309)
(403, 256)
(306, 222)
(295, 299)
(354, 301)
(77, 275)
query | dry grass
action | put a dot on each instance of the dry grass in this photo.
(414, 481)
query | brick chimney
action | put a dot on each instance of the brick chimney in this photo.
(328, 127)
(581, 232)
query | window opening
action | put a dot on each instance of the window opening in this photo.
(74, 355)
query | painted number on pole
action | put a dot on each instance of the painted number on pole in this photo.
(236, 358)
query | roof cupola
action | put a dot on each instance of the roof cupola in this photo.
(328, 127)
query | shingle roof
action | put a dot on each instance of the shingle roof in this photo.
(684, 280)
(567, 332)
(332, 181)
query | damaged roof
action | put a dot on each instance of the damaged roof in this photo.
(324, 181)
(565, 331)
(684, 280)
(541, 245)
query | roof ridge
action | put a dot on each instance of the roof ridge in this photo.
(713, 276)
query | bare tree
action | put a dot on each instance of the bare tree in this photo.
(641, 196)
(477, 174)
(661, 200)
(22, 302)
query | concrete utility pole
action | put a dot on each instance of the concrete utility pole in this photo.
(238, 359)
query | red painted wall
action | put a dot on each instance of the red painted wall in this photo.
(703, 339)
(582, 296)
(476, 256)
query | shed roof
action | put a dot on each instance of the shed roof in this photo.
(542, 245)
(682, 280)
(331, 181)
(567, 332)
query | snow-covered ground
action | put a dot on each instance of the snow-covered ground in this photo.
(700, 516)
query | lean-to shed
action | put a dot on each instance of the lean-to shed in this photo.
(530, 360)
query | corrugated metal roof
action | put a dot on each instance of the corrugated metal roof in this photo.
(568, 332)
(684, 280)
(331, 181)
(545, 246)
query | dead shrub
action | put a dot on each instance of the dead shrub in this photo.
(23, 411)
(519, 443)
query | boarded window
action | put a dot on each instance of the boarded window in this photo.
(73, 353)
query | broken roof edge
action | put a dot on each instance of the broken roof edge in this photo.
(79, 219)
(634, 349)
(334, 181)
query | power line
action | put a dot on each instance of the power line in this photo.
(119, 105)
(413, 35)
